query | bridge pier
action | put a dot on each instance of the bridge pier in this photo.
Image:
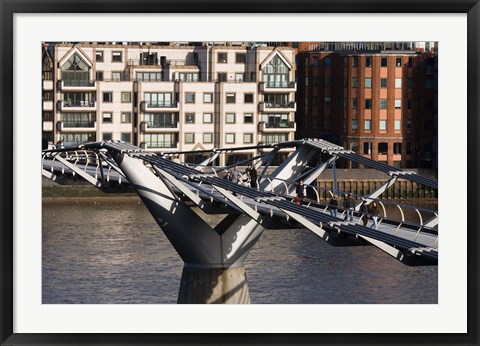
(214, 286)
(214, 269)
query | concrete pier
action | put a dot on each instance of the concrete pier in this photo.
(214, 286)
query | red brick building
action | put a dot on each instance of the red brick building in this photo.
(378, 103)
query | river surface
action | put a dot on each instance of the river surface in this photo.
(117, 254)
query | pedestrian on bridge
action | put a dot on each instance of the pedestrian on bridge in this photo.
(333, 205)
(364, 212)
(236, 175)
(375, 213)
(300, 190)
(349, 205)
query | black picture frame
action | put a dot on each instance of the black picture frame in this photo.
(10, 7)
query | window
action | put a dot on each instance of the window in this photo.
(355, 61)
(188, 77)
(398, 103)
(230, 98)
(116, 56)
(207, 97)
(230, 118)
(398, 62)
(189, 138)
(240, 58)
(383, 82)
(248, 118)
(383, 148)
(107, 117)
(222, 76)
(409, 124)
(383, 103)
(327, 81)
(410, 148)
(368, 124)
(248, 138)
(328, 61)
(161, 120)
(306, 81)
(410, 83)
(76, 72)
(161, 140)
(126, 117)
(368, 82)
(77, 119)
(398, 125)
(159, 100)
(315, 61)
(149, 76)
(107, 136)
(409, 104)
(367, 148)
(189, 97)
(208, 137)
(354, 147)
(99, 56)
(410, 61)
(398, 83)
(99, 75)
(355, 103)
(368, 61)
(354, 82)
(383, 125)
(190, 118)
(397, 148)
(239, 77)
(126, 137)
(230, 138)
(126, 97)
(327, 101)
(248, 98)
(368, 103)
(384, 62)
(222, 58)
(354, 124)
(116, 76)
(108, 96)
(276, 73)
(207, 118)
(48, 95)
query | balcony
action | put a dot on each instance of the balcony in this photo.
(75, 125)
(277, 87)
(76, 106)
(277, 127)
(168, 106)
(275, 107)
(154, 126)
(76, 85)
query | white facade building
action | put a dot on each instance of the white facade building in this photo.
(169, 98)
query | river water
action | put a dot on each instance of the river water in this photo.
(117, 254)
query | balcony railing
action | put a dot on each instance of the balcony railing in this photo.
(279, 105)
(154, 125)
(71, 103)
(276, 126)
(67, 124)
(279, 84)
(145, 105)
(78, 83)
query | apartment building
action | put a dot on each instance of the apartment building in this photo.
(380, 102)
(169, 97)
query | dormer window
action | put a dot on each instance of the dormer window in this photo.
(75, 72)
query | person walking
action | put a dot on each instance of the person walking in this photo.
(364, 212)
(228, 176)
(300, 190)
(375, 213)
(236, 175)
(333, 205)
(253, 176)
(349, 205)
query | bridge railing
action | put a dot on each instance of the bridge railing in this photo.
(390, 210)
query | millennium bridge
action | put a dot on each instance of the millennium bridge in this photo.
(214, 257)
